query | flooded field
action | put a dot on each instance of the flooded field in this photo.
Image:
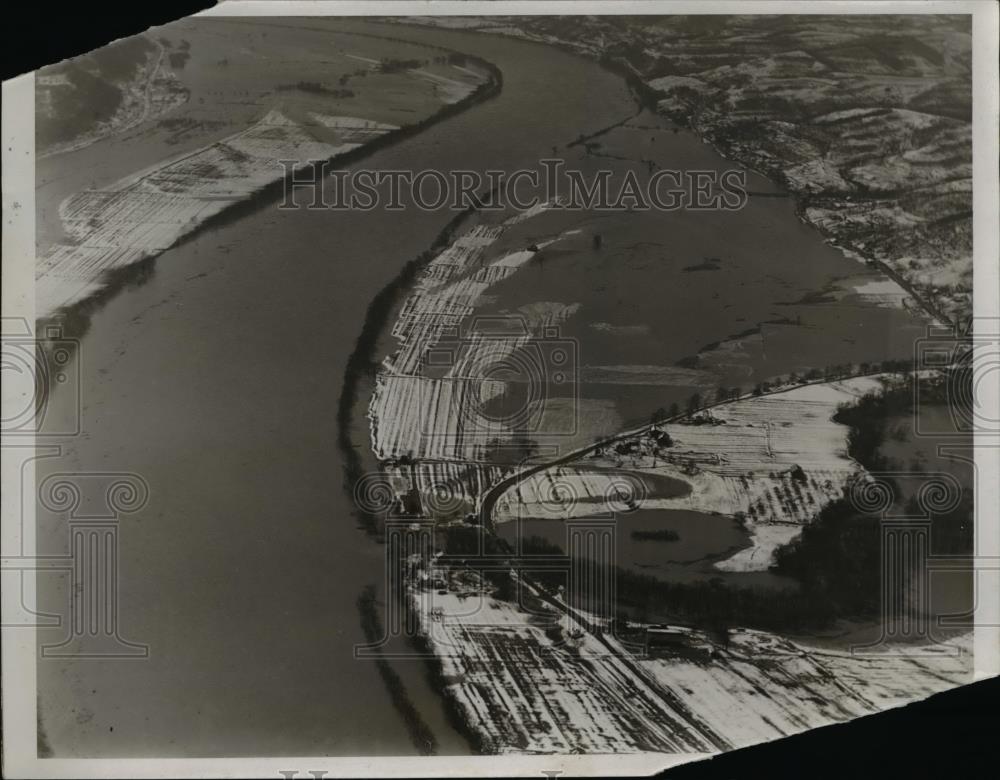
(673, 545)
(697, 299)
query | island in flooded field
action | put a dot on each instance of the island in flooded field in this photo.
(738, 644)
(744, 414)
(744, 472)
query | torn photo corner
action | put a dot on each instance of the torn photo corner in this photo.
(472, 388)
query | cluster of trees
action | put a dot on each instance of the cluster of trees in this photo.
(516, 450)
(836, 562)
(837, 559)
(712, 604)
(837, 371)
(316, 88)
(360, 73)
(830, 373)
(664, 414)
(454, 58)
(870, 418)
(542, 560)
(392, 65)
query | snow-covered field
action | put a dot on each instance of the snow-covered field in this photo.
(762, 686)
(524, 688)
(427, 410)
(146, 213)
(522, 693)
(775, 459)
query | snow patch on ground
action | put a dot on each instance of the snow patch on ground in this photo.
(142, 215)
(548, 682)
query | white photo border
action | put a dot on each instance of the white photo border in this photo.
(17, 529)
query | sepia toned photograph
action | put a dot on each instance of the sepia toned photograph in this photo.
(497, 388)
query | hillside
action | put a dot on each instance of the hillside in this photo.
(866, 119)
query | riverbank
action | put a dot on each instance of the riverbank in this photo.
(546, 677)
(361, 364)
(140, 217)
(122, 84)
(873, 142)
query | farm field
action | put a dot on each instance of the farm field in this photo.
(774, 461)
(179, 163)
(562, 687)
